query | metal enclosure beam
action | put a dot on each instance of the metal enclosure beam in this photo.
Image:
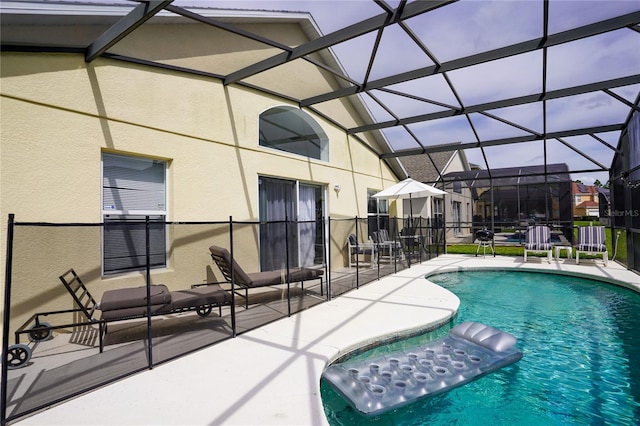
(553, 94)
(347, 33)
(500, 53)
(125, 25)
(495, 142)
(219, 24)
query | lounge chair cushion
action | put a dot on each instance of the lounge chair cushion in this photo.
(240, 276)
(260, 279)
(538, 238)
(135, 312)
(179, 300)
(134, 297)
(199, 296)
(591, 239)
(304, 274)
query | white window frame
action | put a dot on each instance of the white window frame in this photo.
(113, 212)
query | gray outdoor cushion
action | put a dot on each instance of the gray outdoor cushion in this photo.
(124, 298)
(199, 296)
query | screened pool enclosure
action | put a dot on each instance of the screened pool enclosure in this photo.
(514, 198)
(534, 93)
(515, 98)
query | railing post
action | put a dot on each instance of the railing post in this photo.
(357, 256)
(286, 259)
(233, 279)
(148, 273)
(7, 316)
(327, 252)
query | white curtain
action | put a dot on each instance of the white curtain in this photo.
(307, 226)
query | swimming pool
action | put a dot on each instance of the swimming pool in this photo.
(520, 238)
(578, 337)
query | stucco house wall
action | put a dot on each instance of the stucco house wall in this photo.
(60, 114)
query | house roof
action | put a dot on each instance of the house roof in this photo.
(427, 168)
(511, 98)
(587, 204)
(582, 189)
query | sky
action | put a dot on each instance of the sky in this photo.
(472, 26)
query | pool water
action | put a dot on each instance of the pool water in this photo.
(520, 238)
(581, 364)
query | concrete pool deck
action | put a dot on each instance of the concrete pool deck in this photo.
(271, 375)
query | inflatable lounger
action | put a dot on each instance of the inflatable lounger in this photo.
(470, 351)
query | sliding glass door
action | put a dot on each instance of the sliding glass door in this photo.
(291, 216)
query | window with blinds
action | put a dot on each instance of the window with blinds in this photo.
(132, 189)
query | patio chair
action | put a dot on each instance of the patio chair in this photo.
(538, 239)
(244, 280)
(360, 249)
(592, 240)
(387, 247)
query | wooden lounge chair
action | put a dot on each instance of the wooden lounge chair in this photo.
(538, 239)
(244, 280)
(592, 240)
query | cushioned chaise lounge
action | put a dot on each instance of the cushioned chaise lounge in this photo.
(244, 280)
(128, 303)
(115, 305)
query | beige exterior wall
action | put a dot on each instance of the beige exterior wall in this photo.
(59, 114)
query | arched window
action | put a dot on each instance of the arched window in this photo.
(292, 130)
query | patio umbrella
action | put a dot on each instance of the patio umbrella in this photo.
(409, 188)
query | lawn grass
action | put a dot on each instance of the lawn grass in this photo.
(471, 249)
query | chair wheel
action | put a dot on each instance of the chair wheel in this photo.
(204, 311)
(41, 332)
(17, 356)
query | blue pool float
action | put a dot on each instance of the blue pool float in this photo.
(470, 351)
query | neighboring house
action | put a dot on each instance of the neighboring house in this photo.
(456, 207)
(111, 139)
(587, 208)
(585, 200)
